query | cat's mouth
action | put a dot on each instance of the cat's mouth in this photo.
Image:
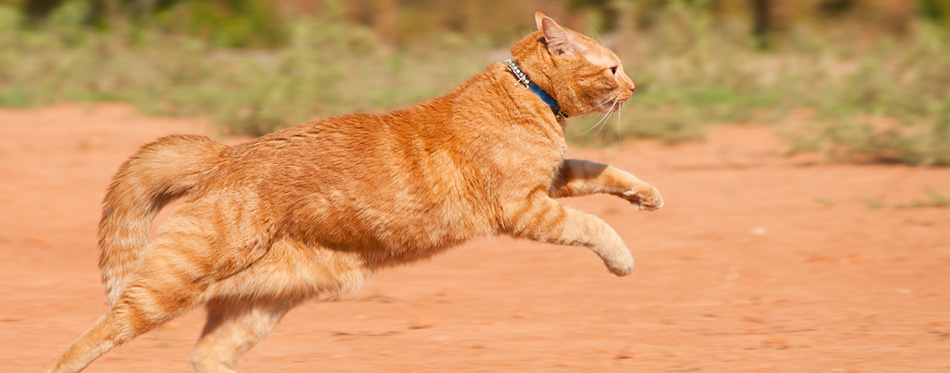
(624, 96)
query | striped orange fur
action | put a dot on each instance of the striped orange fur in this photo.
(315, 210)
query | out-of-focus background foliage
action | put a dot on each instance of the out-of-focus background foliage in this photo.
(858, 80)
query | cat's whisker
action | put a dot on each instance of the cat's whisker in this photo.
(600, 39)
(592, 128)
(603, 125)
(616, 100)
(612, 100)
(603, 139)
(619, 105)
(595, 124)
(619, 113)
(604, 118)
(602, 122)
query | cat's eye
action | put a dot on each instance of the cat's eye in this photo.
(613, 70)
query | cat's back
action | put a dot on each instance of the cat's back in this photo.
(339, 147)
(385, 178)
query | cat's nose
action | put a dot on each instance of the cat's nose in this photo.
(632, 87)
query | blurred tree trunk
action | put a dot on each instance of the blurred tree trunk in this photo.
(95, 16)
(937, 11)
(762, 23)
(36, 11)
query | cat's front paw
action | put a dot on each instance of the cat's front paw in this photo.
(645, 197)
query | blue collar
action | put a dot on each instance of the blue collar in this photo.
(523, 79)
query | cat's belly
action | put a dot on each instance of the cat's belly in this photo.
(332, 262)
(293, 270)
(383, 242)
(392, 226)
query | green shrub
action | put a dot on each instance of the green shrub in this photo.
(882, 100)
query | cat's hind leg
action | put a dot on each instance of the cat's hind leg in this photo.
(165, 286)
(541, 218)
(174, 276)
(233, 327)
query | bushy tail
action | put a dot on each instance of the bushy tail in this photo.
(159, 173)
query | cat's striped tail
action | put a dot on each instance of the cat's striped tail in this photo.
(157, 174)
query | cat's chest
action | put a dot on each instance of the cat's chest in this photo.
(529, 165)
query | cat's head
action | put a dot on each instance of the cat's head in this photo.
(582, 75)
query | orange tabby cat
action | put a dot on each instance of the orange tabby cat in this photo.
(316, 209)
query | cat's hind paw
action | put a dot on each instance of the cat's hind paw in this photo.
(621, 270)
(621, 266)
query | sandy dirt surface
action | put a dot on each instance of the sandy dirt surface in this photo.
(758, 263)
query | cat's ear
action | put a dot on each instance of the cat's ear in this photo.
(559, 40)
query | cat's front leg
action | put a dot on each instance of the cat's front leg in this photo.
(540, 218)
(578, 177)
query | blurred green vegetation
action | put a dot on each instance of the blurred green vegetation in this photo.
(826, 79)
(326, 67)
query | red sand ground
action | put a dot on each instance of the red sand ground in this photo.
(758, 262)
